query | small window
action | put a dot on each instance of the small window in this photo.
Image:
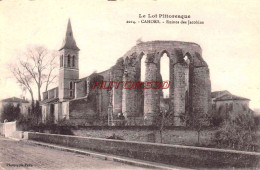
(71, 93)
(61, 61)
(71, 85)
(226, 106)
(68, 60)
(73, 61)
(231, 106)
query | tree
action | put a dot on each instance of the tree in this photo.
(237, 131)
(40, 65)
(10, 112)
(195, 120)
(23, 79)
(37, 113)
(216, 118)
(163, 118)
(36, 67)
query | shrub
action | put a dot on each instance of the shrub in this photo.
(237, 131)
(11, 112)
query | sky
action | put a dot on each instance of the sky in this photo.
(229, 37)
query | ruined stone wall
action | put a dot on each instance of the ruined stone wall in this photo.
(83, 111)
(193, 79)
(117, 76)
(80, 88)
(103, 95)
(90, 106)
(151, 96)
(189, 89)
(200, 91)
(180, 85)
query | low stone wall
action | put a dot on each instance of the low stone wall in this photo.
(7, 129)
(178, 155)
(18, 134)
(2, 129)
(177, 136)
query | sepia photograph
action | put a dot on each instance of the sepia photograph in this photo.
(117, 84)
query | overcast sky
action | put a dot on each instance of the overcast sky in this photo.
(229, 37)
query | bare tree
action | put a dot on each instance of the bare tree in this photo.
(23, 78)
(38, 66)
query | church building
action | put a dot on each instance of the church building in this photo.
(76, 101)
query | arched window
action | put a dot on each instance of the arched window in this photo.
(71, 85)
(143, 67)
(68, 60)
(186, 101)
(73, 61)
(186, 59)
(61, 61)
(71, 89)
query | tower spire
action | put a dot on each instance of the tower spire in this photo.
(69, 41)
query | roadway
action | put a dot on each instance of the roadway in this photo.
(23, 155)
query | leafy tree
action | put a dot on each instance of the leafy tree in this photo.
(237, 131)
(216, 118)
(11, 112)
(164, 117)
(195, 120)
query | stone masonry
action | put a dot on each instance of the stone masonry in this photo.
(190, 87)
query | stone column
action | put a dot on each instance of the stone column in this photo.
(129, 107)
(118, 73)
(201, 91)
(181, 84)
(151, 96)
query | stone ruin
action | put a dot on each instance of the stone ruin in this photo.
(74, 98)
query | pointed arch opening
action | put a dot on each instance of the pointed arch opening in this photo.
(68, 60)
(141, 78)
(188, 81)
(71, 89)
(73, 61)
(143, 68)
(165, 72)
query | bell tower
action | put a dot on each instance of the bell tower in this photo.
(69, 69)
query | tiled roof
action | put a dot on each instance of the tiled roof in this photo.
(229, 97)
(219, 93)
(15, 99)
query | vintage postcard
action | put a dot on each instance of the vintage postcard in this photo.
(117, 84)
